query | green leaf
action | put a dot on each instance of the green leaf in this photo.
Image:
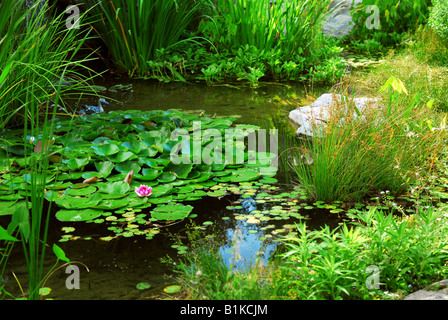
(4, 235)
(60, 254)
(143, 286)
(115, 189)
(69, 202)
(105, 168)
(76, 163)
(135, 146)
(148, 174)
(80, 191)
(78, 215)
(106, 150)
(172, 289)
(171, 212)
(21, 219)
(127, 166)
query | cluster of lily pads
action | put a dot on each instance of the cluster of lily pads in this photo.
(100, 161)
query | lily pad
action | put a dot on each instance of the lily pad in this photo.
(107, 149)
(176, 211)
(116, 189)
(172, 289)
(78, 215)
(69, 202)
(143, 286)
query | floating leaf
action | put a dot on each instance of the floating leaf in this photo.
(60, 254)
(105, 150)
(172, 289)
(171, 212)
(104, 167)
(78, 215)
(80, 191)
(69, 202)
(116, 189)
(143, 286)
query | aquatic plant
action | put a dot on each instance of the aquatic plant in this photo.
(438, 17)
(38, 52)
(134, 31)
(89, 177)
(34, 66)
(377, 256)
(389, 146)
(143, 191)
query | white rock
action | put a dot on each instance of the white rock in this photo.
(317, 113)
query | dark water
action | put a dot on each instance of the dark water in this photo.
(117, 266)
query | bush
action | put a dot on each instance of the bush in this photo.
(396, 19)
(254, 40)
(408, 254)
(438, 19)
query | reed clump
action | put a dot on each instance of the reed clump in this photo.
(387, 146)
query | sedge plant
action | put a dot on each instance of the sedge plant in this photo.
(387, 146)
(135, 31)
(38, 54)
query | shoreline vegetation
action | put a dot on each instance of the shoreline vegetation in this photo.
(394, 150)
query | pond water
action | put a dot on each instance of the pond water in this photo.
(115, 267)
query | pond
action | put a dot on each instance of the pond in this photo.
(245, 222)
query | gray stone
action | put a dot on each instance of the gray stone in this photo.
(436, 291)
(339, 20)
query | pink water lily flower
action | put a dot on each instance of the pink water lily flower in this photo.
(143, 191)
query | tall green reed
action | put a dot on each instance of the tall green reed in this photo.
(135, 32)
(293, 27)
(38, 55)
(388, 147)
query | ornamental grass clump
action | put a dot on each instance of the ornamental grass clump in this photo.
(388, 146)
(135, 32)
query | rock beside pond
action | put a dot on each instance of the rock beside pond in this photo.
(436, 291)
(318, 113)
(339, 22)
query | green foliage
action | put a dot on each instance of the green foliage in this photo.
(333, 264)
(384, 147)
(134, 31)
(396, 19)
(252, 41)
(37, 59)
(438, 19)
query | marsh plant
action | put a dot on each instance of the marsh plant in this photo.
(38, 54)
(135, 31)
(252, 41)
(396, 19)
(409, 253)
(388, 146)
